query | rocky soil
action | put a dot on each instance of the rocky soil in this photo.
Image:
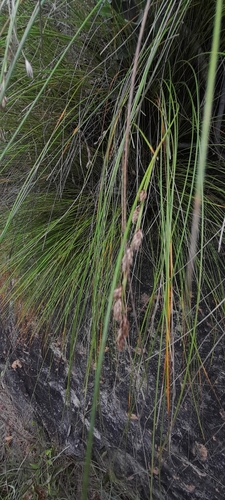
(34, 386)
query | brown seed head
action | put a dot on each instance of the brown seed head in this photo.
(137, 239)
(117, 294)
(125, 326)
(122, 332)
(143, 195)
(136, 214)
(127, 260)
(117, 310)
(120, 340)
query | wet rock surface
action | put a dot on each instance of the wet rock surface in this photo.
(188, 465)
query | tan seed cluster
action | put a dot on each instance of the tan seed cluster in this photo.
(143, 195)
(137, 240)
(136, 214)
(127, 260)
(122, 332)
(121, 318)
(119, 307)
(117, 310)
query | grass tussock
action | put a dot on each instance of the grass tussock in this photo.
(112, 154)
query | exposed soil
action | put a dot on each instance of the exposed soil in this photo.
(190, 465)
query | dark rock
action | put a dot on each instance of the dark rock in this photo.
(37, 379)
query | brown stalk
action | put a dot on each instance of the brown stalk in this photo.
(128, 120)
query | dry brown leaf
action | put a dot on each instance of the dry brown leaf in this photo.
(132, 416)
(139, 350)
(222, 414)
(200, 451)
(41, 492)
(189, 487)
(145, 299)
(8, 439)
(16, 364)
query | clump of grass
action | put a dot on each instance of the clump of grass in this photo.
(112, 124)
(51, 473)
